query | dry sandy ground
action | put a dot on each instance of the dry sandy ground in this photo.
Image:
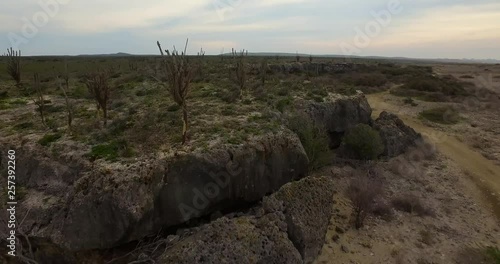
(460, 185)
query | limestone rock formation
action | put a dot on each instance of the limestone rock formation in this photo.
(289, 227)
(77, 205)
(397, 136)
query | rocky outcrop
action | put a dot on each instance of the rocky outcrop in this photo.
(338, 114)
(308, 208)
(396, 136)
(289, 227)
(78, 205)
(246, 239)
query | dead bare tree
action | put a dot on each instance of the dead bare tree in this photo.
(14, 65)
(180, 73)
(98, 85)
(38, 97)
(64, 86)
(362, 191)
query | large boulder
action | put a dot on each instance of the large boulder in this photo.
(338, 114)
(246, 239)
(289, 227)
(78, 205)
(308, 208)
(396, 136)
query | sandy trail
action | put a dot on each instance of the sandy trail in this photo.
(482, 171)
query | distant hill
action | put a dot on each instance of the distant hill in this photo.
(443, 60)
(284, 54)
(119, 54)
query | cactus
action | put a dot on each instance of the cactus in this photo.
(14, 65)
(64, 86)
(263, 71)
(38, 100)
(98, 85)
(180, 73)
(240, 71)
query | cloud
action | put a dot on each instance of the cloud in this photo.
(457, 28)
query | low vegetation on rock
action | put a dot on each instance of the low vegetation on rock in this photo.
(442, 115)
(364, 142)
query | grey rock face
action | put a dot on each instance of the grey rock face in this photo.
(397, 136)
(246, 239)
(342, 113)
(338, 114)
(105, 205)
(308, 208)
(289, 227)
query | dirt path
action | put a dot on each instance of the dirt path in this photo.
(482, 171)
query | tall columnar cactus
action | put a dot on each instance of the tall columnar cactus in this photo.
(180, 73)
(263, 71)
(38, 99)
(64, 86)
(98, 85)
(240, 71)
(14, 64)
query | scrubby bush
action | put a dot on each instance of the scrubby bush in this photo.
(364, 142)
(48, 139)
(362, 192)
(411, 204)
(442, 115)
(314, 139)
(283, 103)
(494, 254)
(410, 101)
(111, 151)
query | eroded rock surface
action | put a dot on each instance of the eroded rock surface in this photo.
(289, 227)
(396, 136)
(308, 208)
(78, 205)
(246, 239)
(338, 114)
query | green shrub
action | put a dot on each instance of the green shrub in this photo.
(24, 125)
(314, 139)
(410, 101)
(364, 142)
(494, 254)
(49, 138)
(111, 151)
(283, 103)
(173, 108)
(442, 115)
(284, 91)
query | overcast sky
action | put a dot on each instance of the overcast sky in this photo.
(419, 29)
